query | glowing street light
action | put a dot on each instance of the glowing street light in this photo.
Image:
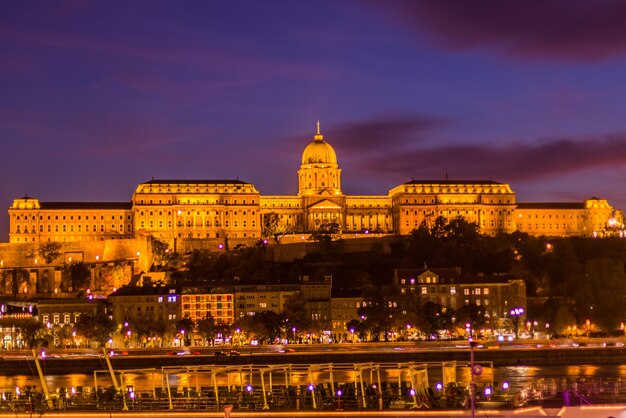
(515, 315)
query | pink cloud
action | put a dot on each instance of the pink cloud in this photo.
(569, 30)
(516, 162)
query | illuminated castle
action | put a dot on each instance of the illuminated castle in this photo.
(217, 209)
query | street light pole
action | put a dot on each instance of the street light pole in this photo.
(515, 314)
(472, 385)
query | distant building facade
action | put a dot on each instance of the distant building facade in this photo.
(252, 299)
(565, 218)
(222, 209)
(343, 310)
(61, 316)
(447, 287)
(201, 302)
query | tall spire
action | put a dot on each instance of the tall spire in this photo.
(319, 136)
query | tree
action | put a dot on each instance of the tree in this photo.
(159, 250)
(186, 327)
(439, 317)
(207, 328)
(245, 325)
(98, 328)
(600, 293)
(326, 233)
(472, 314)
(381, 307)
(18, 277)
(49, 251)
(147, 330)
(75, 276)
(274, 227)
(268, 325)
(295, 312)
(36, 334)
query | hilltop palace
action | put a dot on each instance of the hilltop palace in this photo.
(233, 209)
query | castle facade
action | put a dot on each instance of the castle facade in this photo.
(220, 209)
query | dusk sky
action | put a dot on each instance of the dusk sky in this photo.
(99, 96)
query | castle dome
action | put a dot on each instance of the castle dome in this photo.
(319, 151)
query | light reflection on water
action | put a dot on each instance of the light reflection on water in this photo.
(518, 376)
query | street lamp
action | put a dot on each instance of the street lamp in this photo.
(475, 370)
(515, 314)
(351, 334)
(294, 334)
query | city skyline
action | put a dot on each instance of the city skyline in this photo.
(98, 98)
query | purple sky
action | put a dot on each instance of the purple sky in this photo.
(98, 96)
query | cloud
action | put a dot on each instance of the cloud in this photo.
(516, 162)
(568, 30)
(385, 131)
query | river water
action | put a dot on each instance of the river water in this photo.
(519, 377)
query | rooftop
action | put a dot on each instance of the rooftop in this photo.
(452, 182)
(153, 181)
(551, 205)
(86, 205)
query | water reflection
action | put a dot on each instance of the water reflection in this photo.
(583, 371)
(518, 377)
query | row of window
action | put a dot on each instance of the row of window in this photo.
(197, 202)
(574, 227)
(64, 217)
(426, 279)
(556, 216)
(424, 290)
(198, 213)
(56, 318)
(79, 228)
